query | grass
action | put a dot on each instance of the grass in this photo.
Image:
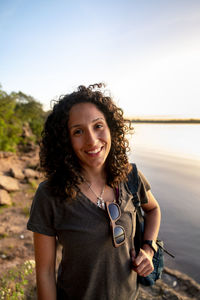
(26, 211)
(3, 207)
(15, 281)
(33, 184)
(3, 235)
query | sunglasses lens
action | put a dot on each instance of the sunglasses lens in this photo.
(114, 211)
(119, 234)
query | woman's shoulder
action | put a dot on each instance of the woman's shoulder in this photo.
(44, 191)
(137, 173)
(144, 180)
(43, 187)
(48, 194)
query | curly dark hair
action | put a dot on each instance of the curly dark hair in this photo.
(57, 158)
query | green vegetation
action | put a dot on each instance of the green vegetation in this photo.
(33, 184)
(13, 284)
(19, 114)
(26, 211)
(2, 207)
(3, 235)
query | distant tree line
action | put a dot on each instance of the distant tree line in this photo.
(19, 111)
(166, 121)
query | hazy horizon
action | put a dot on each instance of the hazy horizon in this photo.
(163, 117)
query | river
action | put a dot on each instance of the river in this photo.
(169, 156)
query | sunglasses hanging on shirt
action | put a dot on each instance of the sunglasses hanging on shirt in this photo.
(118, 231)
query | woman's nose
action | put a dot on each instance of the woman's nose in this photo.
(90, 137)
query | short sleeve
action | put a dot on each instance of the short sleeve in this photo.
(143, 188)
(41, 218)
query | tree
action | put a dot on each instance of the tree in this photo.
(31, 111)
(10, 128)
(17, 109)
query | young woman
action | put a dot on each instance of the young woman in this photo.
(84, 156)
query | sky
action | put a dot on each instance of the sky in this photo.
(147, 52)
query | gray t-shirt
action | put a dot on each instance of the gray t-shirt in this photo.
(91, 268)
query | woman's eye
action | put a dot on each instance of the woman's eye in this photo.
(98, 126)
(77, 132)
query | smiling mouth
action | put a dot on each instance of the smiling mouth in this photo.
(96, 151)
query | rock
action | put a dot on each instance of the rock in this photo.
(5, 198)
(4, 154)
(168, 279)
(17, 173)
(29, 173)
(8, 183)
(185, 283)
(174, 285)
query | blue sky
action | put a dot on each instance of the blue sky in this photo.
(147, 52)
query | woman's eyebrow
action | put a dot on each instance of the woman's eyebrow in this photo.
(100, 118)
(93, 121)
(73, 126)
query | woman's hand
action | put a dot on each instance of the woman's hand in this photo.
(142, 263)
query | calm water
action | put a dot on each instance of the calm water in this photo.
(181, 140)
(169, 156)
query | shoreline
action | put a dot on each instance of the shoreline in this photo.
(167, 121)
(172, 285)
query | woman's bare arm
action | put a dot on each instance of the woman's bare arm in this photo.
(152, 217)
(45, 258)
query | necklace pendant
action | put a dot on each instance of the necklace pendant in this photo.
(99, 199)
(103, 204)
(99, 202)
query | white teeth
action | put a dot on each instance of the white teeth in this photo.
(94, 152)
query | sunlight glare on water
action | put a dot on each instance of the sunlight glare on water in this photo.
(180, 140)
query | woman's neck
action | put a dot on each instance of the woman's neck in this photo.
(94, 176)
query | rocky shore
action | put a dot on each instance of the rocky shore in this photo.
(19, 177)
(174, 285)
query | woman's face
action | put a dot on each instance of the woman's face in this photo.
(90, 135)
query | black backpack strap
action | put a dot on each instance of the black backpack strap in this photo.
(133, 180)
(133, 184)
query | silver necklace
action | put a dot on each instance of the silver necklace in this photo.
(100, 201)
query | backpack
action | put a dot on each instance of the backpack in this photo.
(158, 261)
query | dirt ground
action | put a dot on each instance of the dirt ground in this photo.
(16, 242)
